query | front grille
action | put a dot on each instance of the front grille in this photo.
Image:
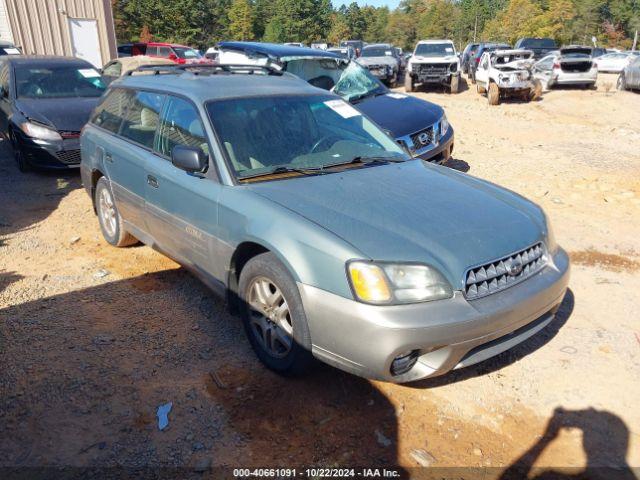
(500, 274)
(70, 157)
(422, 139)
(431, 69)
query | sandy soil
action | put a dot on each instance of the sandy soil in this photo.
(93, 339)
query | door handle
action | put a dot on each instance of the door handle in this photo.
(152, 181)
(108, 157)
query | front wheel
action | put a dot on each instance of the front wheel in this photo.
(273, 316)
(408, 83)
(622, 83)
(18, 154)
(493, 94)
(481, 90)
(455, 83)
(109, 218)
(536, 92)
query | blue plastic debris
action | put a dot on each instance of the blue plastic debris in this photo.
(163, 415)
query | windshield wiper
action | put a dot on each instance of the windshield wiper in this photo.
(283, 169)
(362, 96)
(367, 161)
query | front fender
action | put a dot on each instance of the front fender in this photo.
(312, 254)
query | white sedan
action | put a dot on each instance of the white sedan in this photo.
(613, 62)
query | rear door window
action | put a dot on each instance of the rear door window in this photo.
(110, 112)
(180, 124)
(141, 118)
(164, 52)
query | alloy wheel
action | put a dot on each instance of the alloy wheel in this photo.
(107, 212)
(270, 317)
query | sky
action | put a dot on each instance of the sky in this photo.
(375, 3)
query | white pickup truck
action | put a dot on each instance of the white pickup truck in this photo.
(507, 73)
(433, 62)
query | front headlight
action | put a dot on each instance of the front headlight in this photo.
(40, 132)
(552, 246)
(391, 283)
(444, 124)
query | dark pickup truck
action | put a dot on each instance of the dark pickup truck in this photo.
(539, 46)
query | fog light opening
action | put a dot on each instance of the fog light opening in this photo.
(404, 362)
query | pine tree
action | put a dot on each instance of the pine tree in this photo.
(241, 17)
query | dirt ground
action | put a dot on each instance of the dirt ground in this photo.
(93, 339)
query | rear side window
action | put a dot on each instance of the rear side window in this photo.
(164, 52)
(141, 118)
(110, 112)
(113, 69)
(180, 125)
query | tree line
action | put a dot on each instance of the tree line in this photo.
(202, 23)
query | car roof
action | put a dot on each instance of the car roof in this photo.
(164, 44)
(378, 45)
(203, 87)
(275, 49)
(512, 51)
(44, 60)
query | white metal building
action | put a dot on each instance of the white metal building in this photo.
(81, 28)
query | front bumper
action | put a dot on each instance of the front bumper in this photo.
(58, 154)
(383, 74)
(448, 334)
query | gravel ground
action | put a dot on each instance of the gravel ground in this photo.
(93, 339)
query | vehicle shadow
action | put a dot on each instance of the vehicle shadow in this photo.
(28, 198)
(510, 356)
(85, 371)
(457, 164)
(605, 440)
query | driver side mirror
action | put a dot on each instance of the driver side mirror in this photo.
(189, 159)
(173, 56)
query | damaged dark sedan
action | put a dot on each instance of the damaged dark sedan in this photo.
(44, 103)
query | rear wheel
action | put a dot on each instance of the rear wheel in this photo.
(493, 94)
(273, 316)
(408, 83)
(18, 154)
(109, 218)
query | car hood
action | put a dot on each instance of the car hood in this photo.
(414, 212)
(70, 114)
(400, 114)
(384, 60)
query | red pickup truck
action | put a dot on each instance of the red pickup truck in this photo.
(178, 53)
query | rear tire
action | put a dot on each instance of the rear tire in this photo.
(109, 218)
(408, 83)
(273, 316)
(493, 94)
(18, 154)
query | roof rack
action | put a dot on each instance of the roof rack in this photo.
(208, 69)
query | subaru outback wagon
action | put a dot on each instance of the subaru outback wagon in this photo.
(327, 238)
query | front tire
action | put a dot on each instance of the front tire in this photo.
(109, 218)
(481, 90)
(408, 83)
(273, 316)
(536, 92)
(18, 154)
(622, 83)
(493, 94)
(455, 84)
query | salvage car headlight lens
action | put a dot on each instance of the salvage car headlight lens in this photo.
(444, 124)
(40, 132)
(390, 283)
(552, 246)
